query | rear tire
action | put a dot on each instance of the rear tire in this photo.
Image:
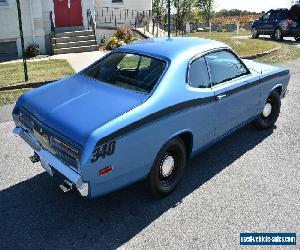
(270, 113)
(168, 168)
(278, 34)
(297, 38)
(254, 33)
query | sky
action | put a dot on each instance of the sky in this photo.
(252, 5)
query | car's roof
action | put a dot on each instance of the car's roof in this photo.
(173, 47)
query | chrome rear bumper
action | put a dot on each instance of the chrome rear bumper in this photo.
(70, 174)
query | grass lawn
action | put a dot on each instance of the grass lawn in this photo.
(10, 96)
(242, 47)
(38, 71)
(245, 47)
(287, 52)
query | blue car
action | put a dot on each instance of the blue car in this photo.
(143, 110)
(278, 24)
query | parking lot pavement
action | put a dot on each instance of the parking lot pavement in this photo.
(249, 182)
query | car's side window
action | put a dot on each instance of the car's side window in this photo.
(224, 66)
(198, 74)
(266, 16)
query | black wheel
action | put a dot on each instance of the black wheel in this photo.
(297, 38)
(270, 113)
(278, 34)
(168, 168)
(254, 33)
(272, 36)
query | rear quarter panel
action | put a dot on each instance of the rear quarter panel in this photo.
(276, 78)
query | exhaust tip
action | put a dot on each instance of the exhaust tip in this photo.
(66, 186)
(35, 158)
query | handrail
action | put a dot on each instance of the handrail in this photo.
(91, 22)
(53, 28)
(135, 19)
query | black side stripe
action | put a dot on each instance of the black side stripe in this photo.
(176, 108)
(278, 74)
(154, 117)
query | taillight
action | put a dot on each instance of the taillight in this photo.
(105, 171)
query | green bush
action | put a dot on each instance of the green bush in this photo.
(112, 43)
(121, 37)
(32, 50)
(124, 34)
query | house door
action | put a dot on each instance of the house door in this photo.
(68, 13)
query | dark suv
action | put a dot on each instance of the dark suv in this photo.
(279, 23)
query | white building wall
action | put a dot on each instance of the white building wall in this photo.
(127, 4)
(32, 23)
(35, 20)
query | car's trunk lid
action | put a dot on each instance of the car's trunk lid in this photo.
(78, 105)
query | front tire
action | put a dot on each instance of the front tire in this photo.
(168, 168)
(297, 38)
(270, 113)
(278, 34)
(254, 33)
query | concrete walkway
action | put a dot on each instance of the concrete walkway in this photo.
(78, 61)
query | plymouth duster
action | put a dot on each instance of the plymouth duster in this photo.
(143, 110)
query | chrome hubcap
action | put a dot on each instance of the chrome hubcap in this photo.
(267, 109)
(254, 32)
(167, 165)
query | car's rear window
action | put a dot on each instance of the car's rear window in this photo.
(129, 71)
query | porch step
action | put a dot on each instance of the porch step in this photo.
(74, 33)
(74, 44)
(72, 39)
(69, 29)
(75, 49)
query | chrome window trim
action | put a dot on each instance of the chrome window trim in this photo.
(203, 54)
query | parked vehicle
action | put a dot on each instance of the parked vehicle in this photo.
(143, 110)
(279, 23)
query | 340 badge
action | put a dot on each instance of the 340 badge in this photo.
(104, 150)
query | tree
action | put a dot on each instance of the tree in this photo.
(183, 12)
(159, 10)
(206, 8)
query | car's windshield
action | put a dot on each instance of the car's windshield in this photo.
(129, 71)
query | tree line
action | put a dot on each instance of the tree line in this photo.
(191, 11)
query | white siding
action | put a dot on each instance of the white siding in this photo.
(126, 4)
(35, 19)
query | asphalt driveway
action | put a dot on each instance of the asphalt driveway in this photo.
(249, 182)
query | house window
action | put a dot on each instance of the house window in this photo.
(117, 1)
(3, 2)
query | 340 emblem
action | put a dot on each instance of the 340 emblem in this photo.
(104, 150)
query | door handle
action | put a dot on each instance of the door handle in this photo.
(219, 97)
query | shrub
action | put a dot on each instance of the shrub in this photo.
(112, 43)
(32, 50)
(124, 34)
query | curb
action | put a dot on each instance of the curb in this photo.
(25, 85)
(258, 55)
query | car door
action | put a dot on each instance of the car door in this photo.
(236, 90)
(271, 22)
(263, 23)
(202, 120)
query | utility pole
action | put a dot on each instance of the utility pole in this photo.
(169, 18)
(22, 40)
